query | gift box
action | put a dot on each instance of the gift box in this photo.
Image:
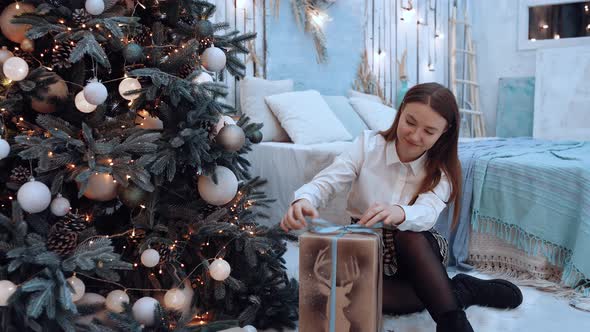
(340, 281)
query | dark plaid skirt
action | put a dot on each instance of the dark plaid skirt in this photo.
(390, 267)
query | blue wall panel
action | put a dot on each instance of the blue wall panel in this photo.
(292, 55)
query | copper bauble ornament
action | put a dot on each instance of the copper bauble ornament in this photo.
(12, 31)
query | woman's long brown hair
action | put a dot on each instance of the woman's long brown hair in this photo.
(443, 155)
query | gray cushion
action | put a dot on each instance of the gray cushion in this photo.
(346, 114)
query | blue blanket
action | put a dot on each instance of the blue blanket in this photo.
(458, 238)
(536, 195)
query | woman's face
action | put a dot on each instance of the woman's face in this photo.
(418, 130)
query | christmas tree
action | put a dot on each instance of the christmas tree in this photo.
(125, 199)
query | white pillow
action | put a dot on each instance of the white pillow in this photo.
(376, 115)
(252, 93)
(357, 94)
(307, 118)
(346, 114)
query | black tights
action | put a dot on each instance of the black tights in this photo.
(422, 281)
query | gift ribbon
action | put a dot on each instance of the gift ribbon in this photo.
(320, 226)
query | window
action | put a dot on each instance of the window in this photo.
(553, 23)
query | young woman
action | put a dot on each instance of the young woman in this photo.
(405, 176)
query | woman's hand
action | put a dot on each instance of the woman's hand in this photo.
(295, 216)
(391, 215)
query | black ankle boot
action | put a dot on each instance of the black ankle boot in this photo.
(453, 321)
(496, 293)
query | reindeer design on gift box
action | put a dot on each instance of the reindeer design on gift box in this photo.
(350, 275)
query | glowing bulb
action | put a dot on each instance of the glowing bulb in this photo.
(319, 18)
(556, 36)
(545, 26)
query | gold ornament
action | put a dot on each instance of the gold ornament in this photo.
(101, 187)
(45, 104)
(231, 137)
(15, 32)
(27, 45)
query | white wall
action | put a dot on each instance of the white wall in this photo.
(495, 35)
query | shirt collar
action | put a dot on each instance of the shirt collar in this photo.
(391, 157)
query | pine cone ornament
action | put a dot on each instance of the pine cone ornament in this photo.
(28, 57)
(80, 16)
(62, 242)
(73, 222)
(20, 175)
(166, 254)
(186, 69)
(60, 56)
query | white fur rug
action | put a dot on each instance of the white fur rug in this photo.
(540, 312)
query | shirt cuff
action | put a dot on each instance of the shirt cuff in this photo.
(307, 197)
(411, 223)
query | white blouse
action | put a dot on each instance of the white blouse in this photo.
(378, 176)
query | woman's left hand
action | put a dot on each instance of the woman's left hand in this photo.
(391, 215)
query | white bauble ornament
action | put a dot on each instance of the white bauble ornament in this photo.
(203, 77)
(115, 300)
(143, 310)
(188, 293)
(95, 93)
(4, 148)
(94, 7)
(213, 59)
(60, 206)
(146, 121)
(101, 187)
(15, 68)
(249, 328)
(78, 286)
(219, 269)
(222, 192)
(7, 288)
(150, 258)
(174, 299)
(223, 121)
(34, 196)
(82, 104)
(129, 84)
(228, 120)
(5, 54)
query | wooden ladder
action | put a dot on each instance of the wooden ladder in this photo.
(472, 119)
